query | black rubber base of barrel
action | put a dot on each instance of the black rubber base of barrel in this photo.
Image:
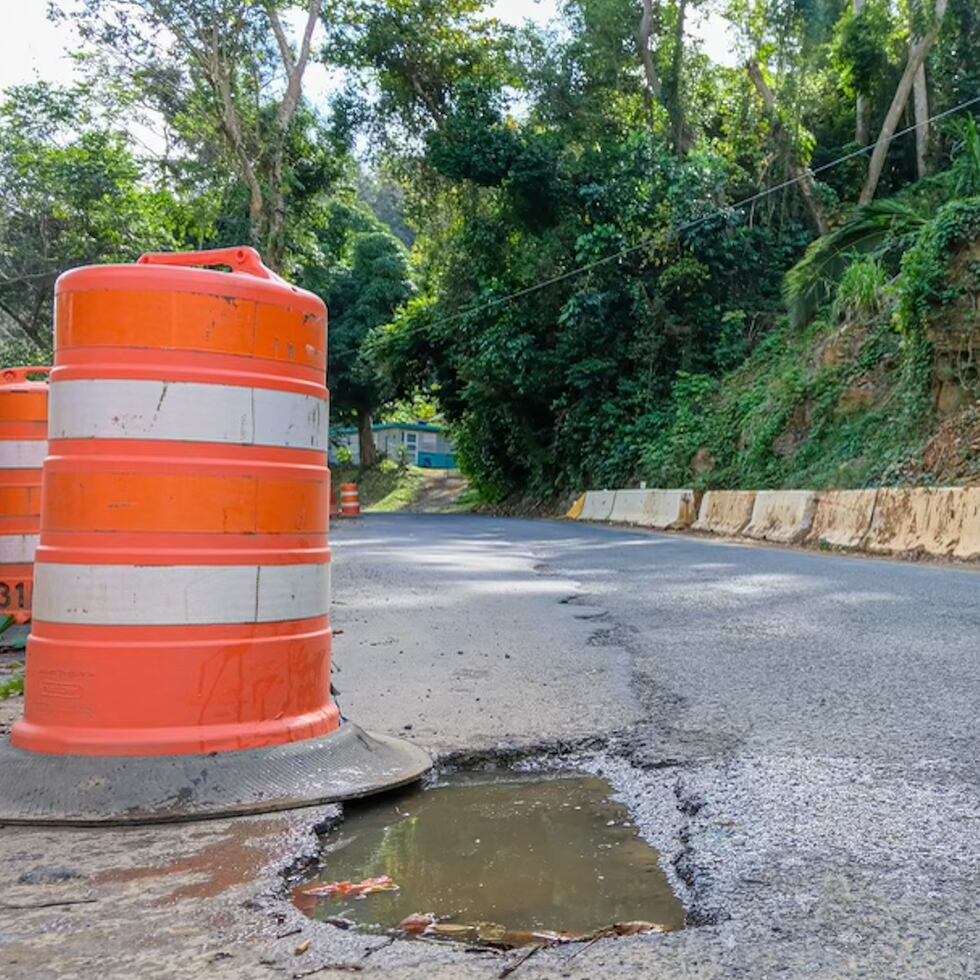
(92, 790)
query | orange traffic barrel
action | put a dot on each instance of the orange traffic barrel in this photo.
(23, 446)
(350, 501)
(183, 571)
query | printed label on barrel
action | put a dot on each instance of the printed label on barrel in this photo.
(14, 596)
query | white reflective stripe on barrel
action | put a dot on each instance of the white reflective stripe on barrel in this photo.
(22, 454)
(179, 595)
(17, 549)
(187, 412)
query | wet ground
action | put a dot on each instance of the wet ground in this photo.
(795, 733)
(499, 857)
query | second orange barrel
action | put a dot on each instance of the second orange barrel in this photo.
(182, 576)
(350, 500)
(23, 446)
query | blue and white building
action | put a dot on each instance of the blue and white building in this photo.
(417, 443)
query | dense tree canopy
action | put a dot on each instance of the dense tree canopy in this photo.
(71, 193)
(364, 282)
(567, 235)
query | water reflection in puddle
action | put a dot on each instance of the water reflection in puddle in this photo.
(496, 857)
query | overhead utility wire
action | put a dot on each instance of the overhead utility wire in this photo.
(685, 226)
(695, 222)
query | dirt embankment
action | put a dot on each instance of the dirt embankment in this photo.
(389, 488)
(438, 492)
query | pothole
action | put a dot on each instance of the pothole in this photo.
(496, 858)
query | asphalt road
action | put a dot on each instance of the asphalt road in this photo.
(796, 732)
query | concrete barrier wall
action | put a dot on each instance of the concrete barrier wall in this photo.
(941, 521)
(842, 518)
(661, 509)
(917, 520)
(782, 515)
(575, 511)
(968, 547)
(725, 511)
(598, 505)
(632, 507)
(673, 509)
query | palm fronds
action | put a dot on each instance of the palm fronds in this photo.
(813, 280)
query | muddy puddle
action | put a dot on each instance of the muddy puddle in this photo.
(497, 858)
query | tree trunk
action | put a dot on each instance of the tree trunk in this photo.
(365, 440)
(36, 327)
(918, 51)
(920, 98)
(229, 122)
(862, 128)
(275, 231)
(678, 120)
(647, 30)
(801, 176)
(295, 67)
(862, 106)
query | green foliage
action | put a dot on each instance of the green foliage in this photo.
(21, 353)
(926, 266)
(814, 279)
(861, 292)
(224, 81)
(554, 154)
(667, 459)
(403, 494)
(583, 303)
(72, 193)
(860, 49)
(361, 272)
(419, 52)
(926, 287)
(546, 392)
(387, 486)
(966, 151)
(474, 142)
(792, 415)
(13, 687)
(422, 407)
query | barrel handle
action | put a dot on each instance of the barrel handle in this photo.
(11, 376)
(241, 258)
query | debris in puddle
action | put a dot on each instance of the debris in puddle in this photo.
(413, 925)
(347, 889)
(626, 929)
(499, 860)
(496, 935)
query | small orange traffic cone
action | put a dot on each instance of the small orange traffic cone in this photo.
(350, 501)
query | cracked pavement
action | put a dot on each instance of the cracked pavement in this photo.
(795, 732)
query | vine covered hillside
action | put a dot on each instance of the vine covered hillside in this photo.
(880, 388)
